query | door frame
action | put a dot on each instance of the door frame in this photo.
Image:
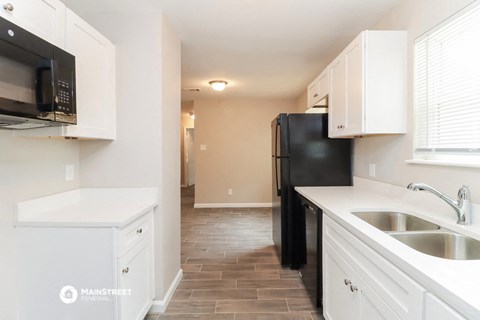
(185, 148)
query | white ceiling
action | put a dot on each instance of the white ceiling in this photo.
(263, 48)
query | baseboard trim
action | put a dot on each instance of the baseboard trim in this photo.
(233, 205)
(159, 306)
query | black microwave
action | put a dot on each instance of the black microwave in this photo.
(37, 81)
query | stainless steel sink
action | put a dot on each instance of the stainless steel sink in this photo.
(395, 221)
(442, 244)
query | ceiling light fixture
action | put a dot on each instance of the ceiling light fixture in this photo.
(218, 85)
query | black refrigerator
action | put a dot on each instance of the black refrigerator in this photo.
(302, 155)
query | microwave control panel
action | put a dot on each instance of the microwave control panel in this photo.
(64, 97)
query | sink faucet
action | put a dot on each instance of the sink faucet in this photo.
(461, 205)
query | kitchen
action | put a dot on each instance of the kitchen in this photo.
(137, 158)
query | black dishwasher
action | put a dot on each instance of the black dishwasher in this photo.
(312, 270)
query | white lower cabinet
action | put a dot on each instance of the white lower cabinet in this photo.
(347, 295)
(360, 284)
(436, 309)
(89, 260)
(135, 275)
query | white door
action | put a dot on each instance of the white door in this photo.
(190, 155)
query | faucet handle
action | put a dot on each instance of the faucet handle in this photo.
(464, 193)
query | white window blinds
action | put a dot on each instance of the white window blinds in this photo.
(447, 86)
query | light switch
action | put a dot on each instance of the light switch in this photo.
(203, 147)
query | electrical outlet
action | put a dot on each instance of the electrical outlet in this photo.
(371, 170)
(230, 192)
(203, 147)
(69, 172)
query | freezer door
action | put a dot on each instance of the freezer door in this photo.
(279, 187)
(315, 159)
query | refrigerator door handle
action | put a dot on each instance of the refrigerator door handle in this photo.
(279, 191)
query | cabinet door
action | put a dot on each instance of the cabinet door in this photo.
(372, 307)
(323, 84)
(354, 69)
(337, 99)
(312, 94)
(95, 71)
(44, 18)
(339, 302)
(135, 272)
(436, 309)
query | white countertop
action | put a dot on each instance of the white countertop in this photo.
(454, 281)
(87, 208)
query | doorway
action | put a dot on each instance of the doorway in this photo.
(190, 156)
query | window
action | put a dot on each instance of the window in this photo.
(447, 89)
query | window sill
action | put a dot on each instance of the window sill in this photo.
(448, 163)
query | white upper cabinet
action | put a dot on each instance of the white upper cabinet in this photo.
(94, 59)
(368, 86)
(95, 74)
(318, 89)
(44, 18)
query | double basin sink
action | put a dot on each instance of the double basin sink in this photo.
(422, 235)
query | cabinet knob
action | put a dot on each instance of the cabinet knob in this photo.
(347, 282)
(125, 270)
(139, 231)
(353, 288)
(315, 95)
(8, 7)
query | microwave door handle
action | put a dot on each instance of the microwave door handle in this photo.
(46, 88)
(55, 84)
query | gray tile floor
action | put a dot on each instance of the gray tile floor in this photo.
(231, 270)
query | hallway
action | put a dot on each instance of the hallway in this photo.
(231, 271)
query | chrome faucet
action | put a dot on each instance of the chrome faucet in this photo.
(461, 205)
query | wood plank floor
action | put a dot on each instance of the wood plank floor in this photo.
(231, 270)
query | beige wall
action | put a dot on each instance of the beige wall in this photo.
(185, 122)
(29, 168)
(237, 136)
(146, 152)
(302, 102)
(390, 152)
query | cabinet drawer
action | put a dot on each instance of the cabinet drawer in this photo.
(135, 232)
(401, 293)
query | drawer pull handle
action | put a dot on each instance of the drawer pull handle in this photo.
(139, 231)
(125, 270)
(353, 288)
(8, 7)
(347, 282)
(315, 95)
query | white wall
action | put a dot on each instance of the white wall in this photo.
(390, 152)
(171, 105)
(29, 168)
(146, 152)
